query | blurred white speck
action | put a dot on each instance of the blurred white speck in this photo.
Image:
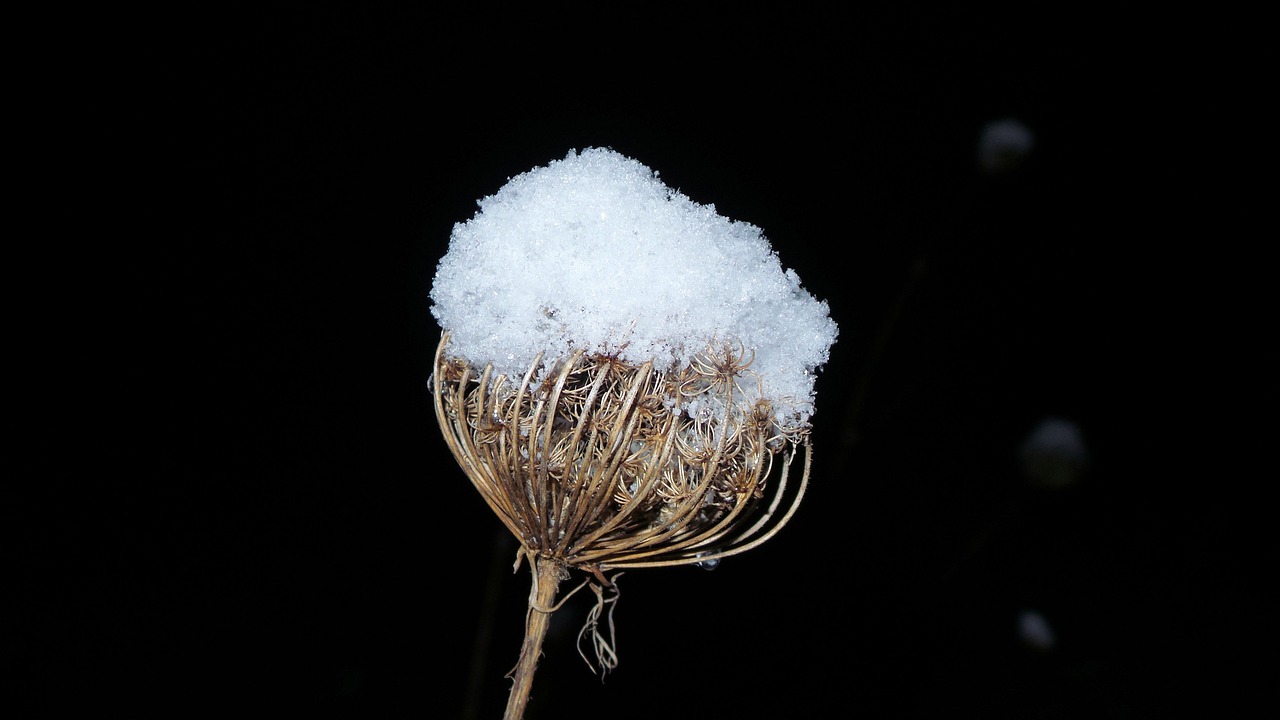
(1054, 455)
(1003, 145)
(1035, 631)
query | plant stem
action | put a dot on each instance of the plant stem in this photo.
(542, 596)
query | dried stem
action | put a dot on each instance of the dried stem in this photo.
(547, 576)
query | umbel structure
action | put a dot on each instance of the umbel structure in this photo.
(624, 375)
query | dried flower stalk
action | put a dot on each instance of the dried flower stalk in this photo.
(596, 464)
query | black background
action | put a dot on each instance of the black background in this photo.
(259, 514)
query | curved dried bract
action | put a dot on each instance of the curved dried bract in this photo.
(600, 464)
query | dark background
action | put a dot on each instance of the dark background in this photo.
(259, 514)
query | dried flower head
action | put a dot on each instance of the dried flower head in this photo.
(594, 463)
(625, 376)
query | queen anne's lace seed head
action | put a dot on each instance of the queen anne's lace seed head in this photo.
(618, 370)
(590, 466)
(620, 365)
